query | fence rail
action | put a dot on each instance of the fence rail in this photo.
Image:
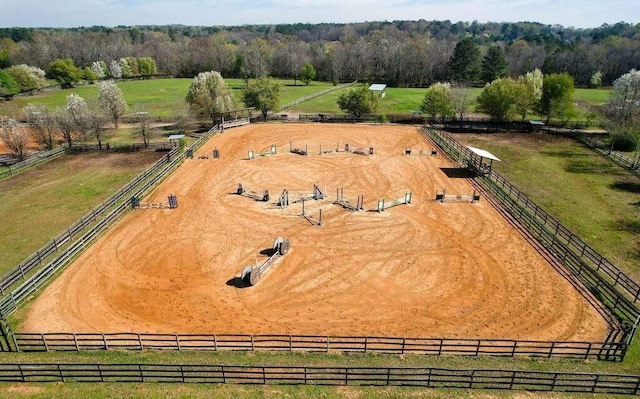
(631, 164)
(311, 375)
(33, 160)
(87, 229)
(597, 273)
(314, 95)
(27, 342)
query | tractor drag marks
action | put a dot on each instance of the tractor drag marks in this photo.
(424, 269)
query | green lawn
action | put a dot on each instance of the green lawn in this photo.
(40, 203)
(159, 97)
(592, 96)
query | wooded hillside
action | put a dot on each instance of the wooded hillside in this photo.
(399, 53)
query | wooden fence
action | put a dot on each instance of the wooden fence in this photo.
(426, 377)
(314, 95)
(615, 289)
(33, 160)
(26, 342)
(631, 164)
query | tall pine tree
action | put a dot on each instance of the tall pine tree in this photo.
(494, 64)
(465, 62)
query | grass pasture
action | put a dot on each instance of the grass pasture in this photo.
(160, 97)
(38, 204)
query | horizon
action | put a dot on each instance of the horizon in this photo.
(66, 14)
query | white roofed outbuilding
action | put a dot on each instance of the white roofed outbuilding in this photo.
(378, 88)
(478, 163)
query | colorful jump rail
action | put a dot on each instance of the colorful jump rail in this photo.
(384, 205)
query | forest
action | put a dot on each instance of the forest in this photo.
(398, 53)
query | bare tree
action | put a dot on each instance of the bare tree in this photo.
(143, 118)
(66, 125)
(41, 123)
(461, 99)
(96, 120)
(14, 138)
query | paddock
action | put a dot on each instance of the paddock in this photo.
(424, 270)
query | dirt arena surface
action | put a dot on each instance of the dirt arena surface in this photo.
(421, 270)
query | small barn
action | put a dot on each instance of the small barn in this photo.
(378, 88)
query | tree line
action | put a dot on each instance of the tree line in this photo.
(399, 53)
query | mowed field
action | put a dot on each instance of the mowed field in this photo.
(426, 269)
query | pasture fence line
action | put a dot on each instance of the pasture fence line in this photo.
(36, 159)
(427, 377)
(598, 274)
(39, 342)
(314, 95)
(631, 164)
(87, 229)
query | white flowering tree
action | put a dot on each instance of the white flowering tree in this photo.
(115, 70)
(96, 66)
(623, 111)
(210, 96)
(14, 138)
(41, 123)
(79, 113)
(112, 100)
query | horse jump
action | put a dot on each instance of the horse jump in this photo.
(310, 218)
(382, 204)
(421, 152)
(172, 203)
(252, 274)
(359, 151)
(252, 155)
(214, 155)
(252, 194)
(297, 150)
(283, 200)
(358, 206)
(444, 197)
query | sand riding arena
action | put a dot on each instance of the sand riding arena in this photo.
(424, 269)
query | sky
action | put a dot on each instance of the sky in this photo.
(76, 13)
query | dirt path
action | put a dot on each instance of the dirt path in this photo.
(427, 269)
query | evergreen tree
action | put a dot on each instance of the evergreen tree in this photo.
(494, 64)
(465, 62)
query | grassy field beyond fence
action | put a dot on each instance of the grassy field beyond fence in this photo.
(38, 204)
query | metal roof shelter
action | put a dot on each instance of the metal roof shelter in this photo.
(483, 154)
(175, 137)
(479, 164)
(379, 87)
